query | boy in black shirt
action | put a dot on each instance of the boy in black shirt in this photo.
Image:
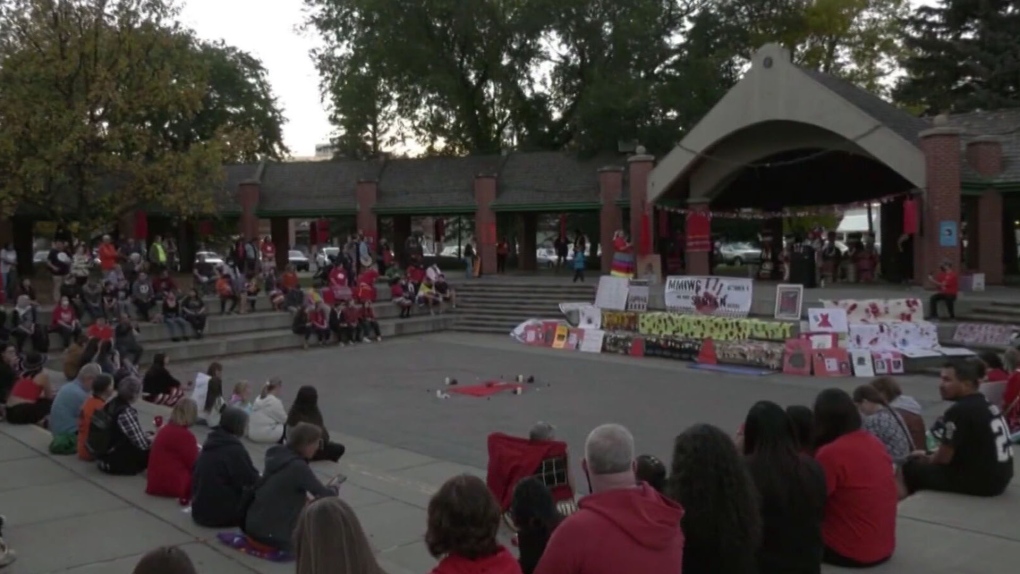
(974, 454)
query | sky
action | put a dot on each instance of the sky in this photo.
(268, 30)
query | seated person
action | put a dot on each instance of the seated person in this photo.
(127, 446)
(100, 329)
(125, 339)
(143, 296)
(72, 291)
(329, 532)
(428, 297)
(948, 284)
(204, 275)
(222, 473)
(173, 317)
(268, 416)
(339, 283)
(535, 515)
(401, 298)
(66, 410)
(305, 409)
(252, 288)
(974, 455)
(284, 489)
(225, 290)
(31, 398)
(445, 292)
(111, 303)
(73, 357)
(352, 318)
(164, 284)
(64, 322)
(289, 280)
(173, 454)
(882, 421)
(170, 559)
(194, 312)
(318, 323)
(25, 326)
(338, 324)
(368, 324)
(160, 387)
(92, 298)
(102, 390)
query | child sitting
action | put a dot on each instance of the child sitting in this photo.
(251, 288)
(240, 397)
(428, 297)
(368, 325)
(401, 298)
(102, 390)
(318, 324)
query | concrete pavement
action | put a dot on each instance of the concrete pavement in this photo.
(402, 442)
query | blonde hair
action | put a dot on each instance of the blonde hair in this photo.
(329, 538)
(185, 413)
(240, 388)
(271, 385)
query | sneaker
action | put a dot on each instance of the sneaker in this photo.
(367, 340)
(379, 338)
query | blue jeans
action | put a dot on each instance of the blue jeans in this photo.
(11, 284)
(177, 327)
(468, 267)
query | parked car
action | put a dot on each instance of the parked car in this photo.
(210, 257)
(739, 253)
(299, 260)
(546, 257)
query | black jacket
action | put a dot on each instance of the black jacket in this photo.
(159, 381)
(281, 497)
(222, 472)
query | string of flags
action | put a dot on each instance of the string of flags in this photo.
(797, 212)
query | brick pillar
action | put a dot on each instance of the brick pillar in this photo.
(941, 147)
(984, 155)
(248, 193)
(526, 257)
(367, 194)
(279, 232)
(485, 222)
(639, 167)
(698, 262)
(610, 216)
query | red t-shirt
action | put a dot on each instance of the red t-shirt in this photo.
(415, 274)
(268, 251)
(950, 282)
(104, 333)
(171, 462)
(63, 315)
(860, 512)
(107, 256)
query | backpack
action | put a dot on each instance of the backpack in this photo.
(102, 432)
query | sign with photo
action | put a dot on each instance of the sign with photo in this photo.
(637, 296)
(827, 320)
(705, 295)
(789, 302)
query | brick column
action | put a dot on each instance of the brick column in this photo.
(248, 193)
(526, 257)
(367, 194)
(698, 262)
(639, 167)
(610, 215)
(984, 156)
(279, 232)
(485, 222)
(942, 155)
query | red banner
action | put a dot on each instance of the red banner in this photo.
(699, 232)
(910, 216)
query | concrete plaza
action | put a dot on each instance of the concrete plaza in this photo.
(402, 442)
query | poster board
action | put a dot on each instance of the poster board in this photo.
(797, 357)
(862, 364)
(649, 268)
(637, 296)
(560, 337)
(592, 341)
(828, 320)
(612, 293)
(709, 295)
(831, 362)
(789, 302)
(201, 390)
(590, 317)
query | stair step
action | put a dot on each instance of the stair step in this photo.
(987, 317)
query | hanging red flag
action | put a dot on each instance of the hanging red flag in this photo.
(563, 225)
(699, 231)
(910, 216)
(141, 224)
(322, 233)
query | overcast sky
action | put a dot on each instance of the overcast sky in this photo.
(268, 29)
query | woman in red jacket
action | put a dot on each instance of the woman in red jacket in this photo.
(173, 455)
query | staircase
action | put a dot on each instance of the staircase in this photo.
(1006, 312)
(496, 307)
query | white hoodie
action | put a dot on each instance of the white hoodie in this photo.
(267, 420)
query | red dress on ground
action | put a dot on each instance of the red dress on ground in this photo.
(171, 462)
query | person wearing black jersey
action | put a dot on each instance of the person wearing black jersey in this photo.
(974, 455)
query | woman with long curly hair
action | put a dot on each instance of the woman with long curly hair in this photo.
(859, 528)
(791, 488)
(722, 522)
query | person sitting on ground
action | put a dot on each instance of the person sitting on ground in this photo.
(305, 409)
(143, 296)
(283, 491)
(102, 390)
(100, 329)
(25, 326)
(791, 493)
(66, 410)
(318, 324)
(31, 398)
(651, 470)
(859, 528)
(193, 311)
(974, 455)
(225, 290)
(173, 454)
(329, 539)
(125, 339)
(239, 397)
(65, 322)
(70, 290)
(338, 325)
(73, 357)
(107, 358)
(803, 426)
(707, 469)
(534, 513)
(400, 298)
(368, 324)
(165, 560)
(27, 289)
(173, 317)
(268, 419)
(463, 521)
(885, 423)
(615, 509)
(128, 446)
(948, 283)
(160, 387)
(212, 409)
(223, 471)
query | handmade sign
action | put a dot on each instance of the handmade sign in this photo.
(720, 328)
(592, 341)
(722, 296)
(862, 363)
(763, 354)
(612, 293)
(201, 390)
(827, 320)
(637, 296)
(831, 362)
(797, 357)
(649, 268)
(590, 317)
(560, 338)
(574, 338)
(789, 302)
(888, 363)
(986, 334)
(910, 309)
(672, 348)
(619, 321)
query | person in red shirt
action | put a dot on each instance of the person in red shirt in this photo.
(369, 325)
(268, 253)
(318, 324)
(352, 318)
(338, 283)
(859, 527)
(289, 279)
(173, 454)
(100, 329)
(164, 284)
(622, 526)
(366, 281)
(65, 322)
(948, 283)
(108, 257)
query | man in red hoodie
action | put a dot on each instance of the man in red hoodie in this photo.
(622, 526)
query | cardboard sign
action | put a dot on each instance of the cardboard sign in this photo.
(862, 364)
(612, 293)
(592, 340)
(574, 338)
(827, 320)
(560, 337)
(831, 363)
(709, 295)
(797, 357)
(789, 302)
(201, 390)
(637, 296)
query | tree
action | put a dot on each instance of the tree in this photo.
(964, 55)
(108, 105)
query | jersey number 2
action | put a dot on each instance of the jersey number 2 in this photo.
(1003, 450)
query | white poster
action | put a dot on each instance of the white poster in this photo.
(827, 320)
(862, 365)
(590, 317)
(612, 293)
(722, 296)
(201, 390)
(592, 341)
(637, 297)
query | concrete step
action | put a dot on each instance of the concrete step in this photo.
(214, 347)
(987, 317)
(1015, 306)
(515, 287)
(519, 297)
(1011, 312)
(518, 306)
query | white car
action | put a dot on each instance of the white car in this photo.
(210, 257)
(450, 251)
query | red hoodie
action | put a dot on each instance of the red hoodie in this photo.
(171, 462)
(621, 530)
(501, 562)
